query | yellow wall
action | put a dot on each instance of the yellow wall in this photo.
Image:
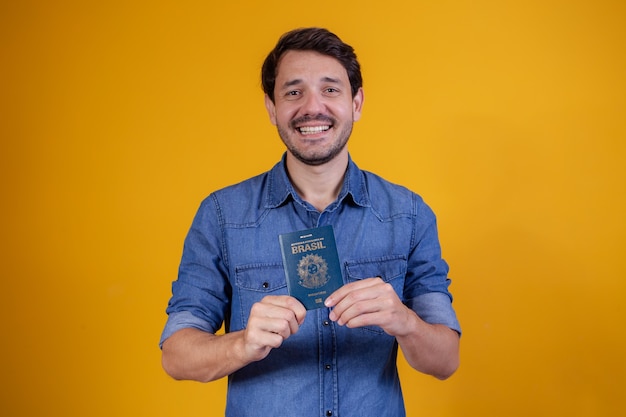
(118, 117)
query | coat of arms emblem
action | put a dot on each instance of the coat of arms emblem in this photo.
(313, 271)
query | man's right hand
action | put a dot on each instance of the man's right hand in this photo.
(200, 356)
(272, 320)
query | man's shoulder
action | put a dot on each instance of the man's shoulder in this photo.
(253, 184)
(391, 200)
(380, 188)
(239, 203)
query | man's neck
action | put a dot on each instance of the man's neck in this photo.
(319, 185)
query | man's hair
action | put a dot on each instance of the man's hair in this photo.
(311, 39)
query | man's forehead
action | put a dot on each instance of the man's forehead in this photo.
(326, 67)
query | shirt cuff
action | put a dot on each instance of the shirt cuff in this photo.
(435, 308)
(183, 320)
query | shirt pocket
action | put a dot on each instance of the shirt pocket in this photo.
(255, 282)
(391, 269)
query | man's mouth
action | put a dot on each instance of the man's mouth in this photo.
(309, 125)
(311, 130)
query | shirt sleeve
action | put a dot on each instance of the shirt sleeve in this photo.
(183, 320)
(435, 308)
(427, 282)
(200, 296)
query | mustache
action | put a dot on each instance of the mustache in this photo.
(316, 118)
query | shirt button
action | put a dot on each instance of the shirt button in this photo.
(327, 366)
(265, 284)
(329, 413)
(326, 322)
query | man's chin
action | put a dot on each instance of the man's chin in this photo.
(313, 161)
(316, 159)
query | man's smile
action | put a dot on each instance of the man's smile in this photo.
(308, 125)
(311, 130)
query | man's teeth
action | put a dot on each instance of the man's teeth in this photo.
(307, 130)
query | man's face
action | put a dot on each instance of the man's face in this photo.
(313, 106)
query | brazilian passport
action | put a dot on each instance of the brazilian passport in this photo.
(311, 265)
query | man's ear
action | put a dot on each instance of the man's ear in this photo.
(271, 109)
(357, 104)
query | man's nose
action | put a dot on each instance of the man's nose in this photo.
(313, 105)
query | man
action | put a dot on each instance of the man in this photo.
(338, 360)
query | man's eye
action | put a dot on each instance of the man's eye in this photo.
(331, 90)
(293, 93)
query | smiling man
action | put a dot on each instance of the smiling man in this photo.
(340, 359)
(313, 107)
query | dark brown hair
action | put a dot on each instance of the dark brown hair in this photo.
(311, 39)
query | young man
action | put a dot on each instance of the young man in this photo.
(338, 360)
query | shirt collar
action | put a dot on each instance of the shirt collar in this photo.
(279, 188)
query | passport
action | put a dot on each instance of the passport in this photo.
(311, 264)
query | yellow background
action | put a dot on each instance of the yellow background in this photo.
(118, 117)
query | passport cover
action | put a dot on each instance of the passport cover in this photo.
(311, 263)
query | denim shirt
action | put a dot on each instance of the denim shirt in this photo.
(232, 259)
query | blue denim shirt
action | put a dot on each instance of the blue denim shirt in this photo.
(232, 259)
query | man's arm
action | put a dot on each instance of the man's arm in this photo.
(200, 356)
(429, 348)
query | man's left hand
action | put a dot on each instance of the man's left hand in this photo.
(370, 302)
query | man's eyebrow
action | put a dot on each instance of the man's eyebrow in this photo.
(291, 83)
(331, 80)
(298, 81)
